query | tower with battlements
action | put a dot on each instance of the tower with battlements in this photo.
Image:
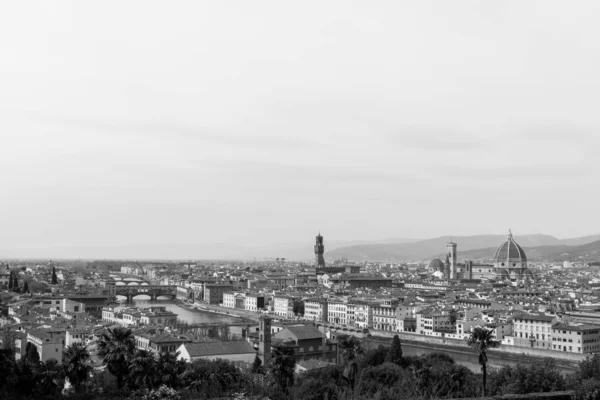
(319, 250)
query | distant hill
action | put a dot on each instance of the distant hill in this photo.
(580, 240)
(475, 247)
(585, 252)
(214, 251)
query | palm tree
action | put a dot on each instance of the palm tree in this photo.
(76, 362)
(49, 377)
(169, 368)
(116, 347)
(481, 340)
(142, 369)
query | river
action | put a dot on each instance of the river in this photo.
(195, 316)
(191, 316)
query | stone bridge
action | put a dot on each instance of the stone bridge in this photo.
(130, 291)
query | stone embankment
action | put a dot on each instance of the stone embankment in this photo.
(462, 345)
(232, 312)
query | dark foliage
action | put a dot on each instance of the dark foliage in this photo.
(374, 357)
(394, 355)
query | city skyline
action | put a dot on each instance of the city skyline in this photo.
(257, 124)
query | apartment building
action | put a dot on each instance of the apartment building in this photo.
(316, 309)
(229, 299)
(432, 322)
(500, 330)
(384, 315)
(254, 302)
(337, 312)
(213, 292)
(79, 335)
(157, 316)
(283, 306)
(49, 344)
(363, 315)
(576, 338)
(533, 330)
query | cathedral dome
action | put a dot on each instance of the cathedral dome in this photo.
(502, 274)
(510, 254)
(526, 273)
(436, 265)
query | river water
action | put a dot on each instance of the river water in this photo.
(191, 316)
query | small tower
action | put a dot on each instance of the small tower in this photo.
(451, 252)
(264, 339)
(319, 250)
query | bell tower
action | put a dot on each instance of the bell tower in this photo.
(319, 250)
(451, 252)
(264, 339)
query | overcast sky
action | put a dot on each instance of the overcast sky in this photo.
(251, 122)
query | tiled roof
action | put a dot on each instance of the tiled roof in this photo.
(301, 332)
(534, 317)
(167, 338)
(581, 327)
(218, 348)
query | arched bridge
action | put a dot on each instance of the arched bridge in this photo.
(130, 291)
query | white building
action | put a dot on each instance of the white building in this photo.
(254, 302)
(337, 312)
(283, 306)
(384, 315)
(229, 299)
(315, 309)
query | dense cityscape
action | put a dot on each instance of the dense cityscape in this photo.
(280, 328)
(275, 200)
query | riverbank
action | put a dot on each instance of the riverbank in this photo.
(505, 350)
(497, 357)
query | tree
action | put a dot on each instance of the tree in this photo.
(374, 357)
(116, 347)
(351, 350)
(169, 368)
(54, 277)
(282, 366)
(481, 340)
(25, 287)
(142, 369)
(7, 369)
(395, 354)
(453, 316)
(257, 365)
(76, 362)
(373, 379)
(49, 377)
(10, 280)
